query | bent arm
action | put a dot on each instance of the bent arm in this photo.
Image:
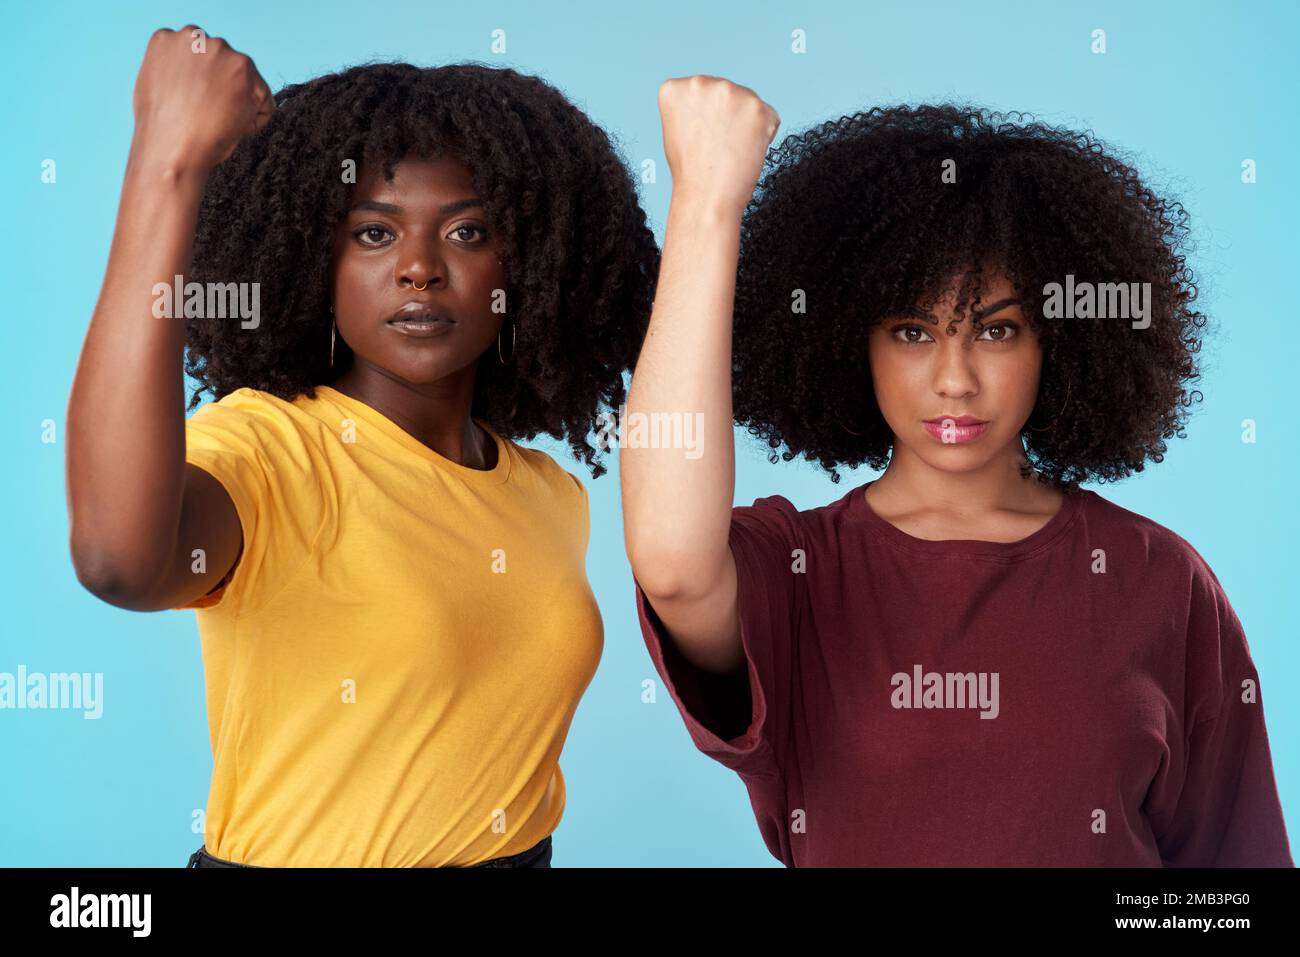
(136, 510)
(677, 510)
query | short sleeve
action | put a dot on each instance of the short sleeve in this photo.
(743, 721)
(267, 465)
(1217, 803)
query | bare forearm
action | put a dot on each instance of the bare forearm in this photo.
(126, 422)
(677, 508)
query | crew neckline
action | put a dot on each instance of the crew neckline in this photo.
(493, 476)
(1054, 528)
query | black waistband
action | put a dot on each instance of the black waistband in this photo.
(201, 858)
(522, 859)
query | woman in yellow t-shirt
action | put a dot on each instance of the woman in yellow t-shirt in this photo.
(393, 274)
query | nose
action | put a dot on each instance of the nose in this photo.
(954, 373)
(419, 264)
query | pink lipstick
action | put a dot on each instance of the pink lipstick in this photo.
(956, 429)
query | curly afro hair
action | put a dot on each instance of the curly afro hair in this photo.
(580, 260)
(1038, 202)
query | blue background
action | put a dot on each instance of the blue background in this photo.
(1188, 90)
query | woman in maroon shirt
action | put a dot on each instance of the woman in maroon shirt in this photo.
(970, 660)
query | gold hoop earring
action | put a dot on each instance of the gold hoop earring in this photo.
(845, 427)
(1032, 428)
(503, 359)
(333, 328)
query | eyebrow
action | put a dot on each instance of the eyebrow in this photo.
(373, 205)
(977, 313)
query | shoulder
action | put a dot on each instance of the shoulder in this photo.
(541, 467)
(1157, 542)
(251, 406)
(1168, 560)
(778, 515)
(252, 422)
(772, 521)
(768, 509)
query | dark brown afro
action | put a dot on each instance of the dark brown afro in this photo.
(581, 262)
(856, 214)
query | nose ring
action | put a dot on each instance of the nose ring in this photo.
(414, 285)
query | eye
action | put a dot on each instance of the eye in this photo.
(1008, 329)
(367, 230)
(472, 227)
(911, 342)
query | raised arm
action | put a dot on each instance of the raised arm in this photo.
(677, 510)
(136, 509)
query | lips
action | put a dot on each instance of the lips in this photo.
(418, 320)
(949, 432)
(956, 420)
(419, 312)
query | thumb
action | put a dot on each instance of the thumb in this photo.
(265, 106)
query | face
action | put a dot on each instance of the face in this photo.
(424, 228)
(929, 384)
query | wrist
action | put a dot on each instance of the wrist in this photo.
(168, 160)
(714, 204)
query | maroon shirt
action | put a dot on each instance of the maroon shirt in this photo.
(1081, 697)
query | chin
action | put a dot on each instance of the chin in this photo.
(431, 369)
(955, 464)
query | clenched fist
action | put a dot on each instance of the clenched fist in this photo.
(716, 134)
(196, 97)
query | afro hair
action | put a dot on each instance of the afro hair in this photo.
(581, 262)
(858, 214)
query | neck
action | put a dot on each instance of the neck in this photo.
(437, 414)
(910, 483)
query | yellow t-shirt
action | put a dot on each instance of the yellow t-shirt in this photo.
(392, 667)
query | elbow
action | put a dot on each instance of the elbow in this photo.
(654, 573)
(109, 580)
(673, 576)
(672, 557)
(657, 587)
